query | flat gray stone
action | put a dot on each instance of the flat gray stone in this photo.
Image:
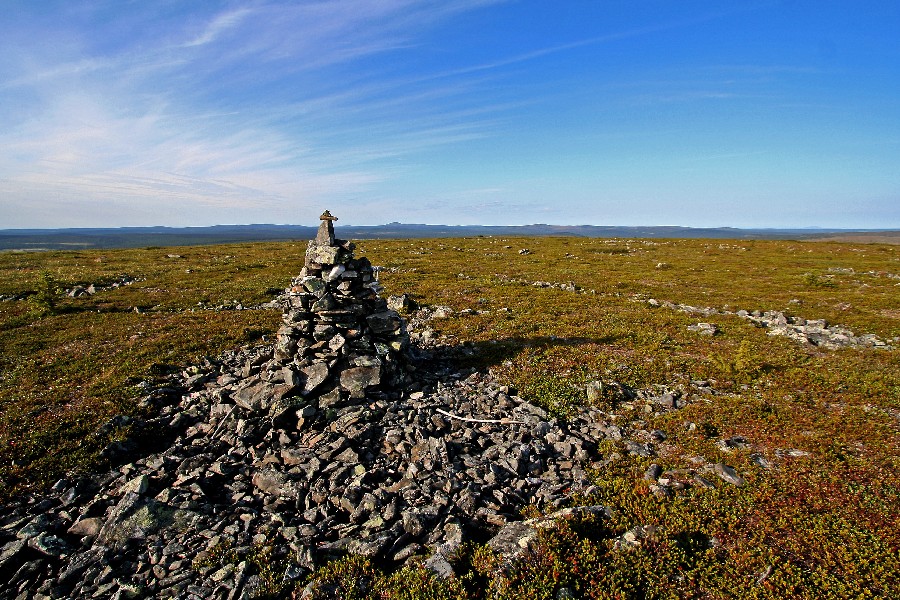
(384, 322)
(316, 374)
(728, 474)
(357, 379)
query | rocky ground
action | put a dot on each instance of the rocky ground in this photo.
(354, 432)
(400, 474)
(815, 332)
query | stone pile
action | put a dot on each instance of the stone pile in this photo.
(80, 291)
(339, 338)
(392, 476)
(816, 332)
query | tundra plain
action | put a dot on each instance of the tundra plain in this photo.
(812, 431)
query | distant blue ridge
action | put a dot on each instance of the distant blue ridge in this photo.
(140, 237)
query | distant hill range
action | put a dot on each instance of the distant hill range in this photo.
(139, 237)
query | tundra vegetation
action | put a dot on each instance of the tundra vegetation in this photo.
(821, 521)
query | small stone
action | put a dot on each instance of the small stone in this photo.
(704, 482)
(760, 461)
(653, 472)
(440, 566)
(728, 474)
(86, 527)
(594, 391)
(138, 485)
(704, 328)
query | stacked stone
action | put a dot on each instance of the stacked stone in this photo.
(339, 339)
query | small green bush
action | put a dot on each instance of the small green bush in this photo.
(44, 300)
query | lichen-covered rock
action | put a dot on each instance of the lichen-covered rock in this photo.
(357, 380)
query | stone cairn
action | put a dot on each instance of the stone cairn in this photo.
(339, 339)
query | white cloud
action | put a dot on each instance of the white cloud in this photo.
(220, 24)
(143, 126)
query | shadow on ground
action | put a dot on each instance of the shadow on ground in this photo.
(489, 353)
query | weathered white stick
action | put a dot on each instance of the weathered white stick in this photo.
(470, 420)
(222, 422)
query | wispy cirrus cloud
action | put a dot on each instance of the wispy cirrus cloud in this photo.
(220, 24)
(144, 122)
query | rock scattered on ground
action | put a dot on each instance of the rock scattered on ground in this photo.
(80, 291)
(815, 332)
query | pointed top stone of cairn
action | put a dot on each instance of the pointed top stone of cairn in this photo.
(325, 235)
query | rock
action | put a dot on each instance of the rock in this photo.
(335, 273)
(704, 482)
(323, 254)
(704, 328)
(86, 527)
(255, 397)
(137, 517)
(138, 485)
(76, 567)
(517, 536)
(638, 448)
(11, 551)
(315, 374)
(357, 379)
(594, 391)
(413, 524)
(728, 474)
(440, 566)
(36, 526)
(653, 472)
(442, 312)
(49, 545)
(760, 461)
(635, 536)
(513, 538)
(384, 322)
(402, 303)
(274, 483)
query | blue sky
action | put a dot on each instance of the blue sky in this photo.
(744, 114)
